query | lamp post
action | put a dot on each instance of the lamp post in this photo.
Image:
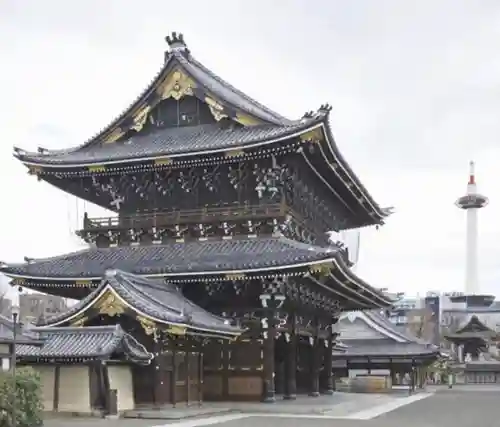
(15, 322)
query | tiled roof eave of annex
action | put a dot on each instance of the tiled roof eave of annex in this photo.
(83, 343)
(158, 302)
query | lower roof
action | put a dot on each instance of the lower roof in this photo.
(84, 343)
(386, 348)
(153, 302)
(194, 257)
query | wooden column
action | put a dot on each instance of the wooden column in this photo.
(314, 361)
(156, 367)
(173, 382)
(328, 364)
(200, 375)
(187, 354)
(291, 361)
(57, 384)
(269, 335)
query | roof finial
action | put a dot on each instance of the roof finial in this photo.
(176, 41)
(176, 44)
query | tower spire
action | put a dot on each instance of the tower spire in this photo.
(471, 203)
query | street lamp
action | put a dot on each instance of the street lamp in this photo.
(15, 322)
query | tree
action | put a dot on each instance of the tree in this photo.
(422, 324)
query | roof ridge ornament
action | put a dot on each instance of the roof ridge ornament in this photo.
(176, 43)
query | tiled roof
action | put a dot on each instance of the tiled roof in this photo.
(176, 258)
(223, 90)
(94, 342)
(162, 301)
(169, 141)
(361, 348)
(392, 342)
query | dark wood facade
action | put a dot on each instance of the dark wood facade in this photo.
(231, 203)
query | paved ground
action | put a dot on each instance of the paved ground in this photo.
(445, 408)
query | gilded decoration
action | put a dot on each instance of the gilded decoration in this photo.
(176, 85)
(34, 170)
(83, 283)
(216, 109)
(114, 135)
(164, 161)
(234, 153)
(235, 276)
(140, 117)
(79, 321)
(110, 305)
(314, 135)
(246, 120)
(322, 270)
(176, 330)
(97, 168)
(147, 324)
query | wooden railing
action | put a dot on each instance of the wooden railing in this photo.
(203, 215)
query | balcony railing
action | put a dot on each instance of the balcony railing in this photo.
(203, 215)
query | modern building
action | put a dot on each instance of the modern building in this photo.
(35, 305)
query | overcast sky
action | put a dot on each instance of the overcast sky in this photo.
(414, 85)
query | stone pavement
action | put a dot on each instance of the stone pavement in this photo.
(340, 405)
(446, 408)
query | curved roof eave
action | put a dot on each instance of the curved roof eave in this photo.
(202, 76)
(31, 159)
(192, 274)
(342, 162)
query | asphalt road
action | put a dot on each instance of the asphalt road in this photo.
(443, 409)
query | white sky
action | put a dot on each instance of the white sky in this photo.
(415, 90)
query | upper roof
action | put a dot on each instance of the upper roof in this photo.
(258, 129)
(84, 343)
(152, 302)
(370, 333)
(174, 142)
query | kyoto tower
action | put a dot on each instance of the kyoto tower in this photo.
(471, 203)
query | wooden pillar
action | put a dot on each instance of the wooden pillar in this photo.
(200, 375)
(173, 382)
(328, 380)
(156, 366)
(269, 335)
(187, 355)
(57, 384)
(291, 361)
(314, 361)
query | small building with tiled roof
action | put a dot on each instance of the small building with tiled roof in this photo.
(475, 352)
(93, 347)
(374, 346)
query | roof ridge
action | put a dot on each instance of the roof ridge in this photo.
(215, 76)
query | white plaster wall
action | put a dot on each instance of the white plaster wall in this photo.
(47, 381)
(120, 378)
(74, 389)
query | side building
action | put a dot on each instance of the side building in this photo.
(220, 197)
